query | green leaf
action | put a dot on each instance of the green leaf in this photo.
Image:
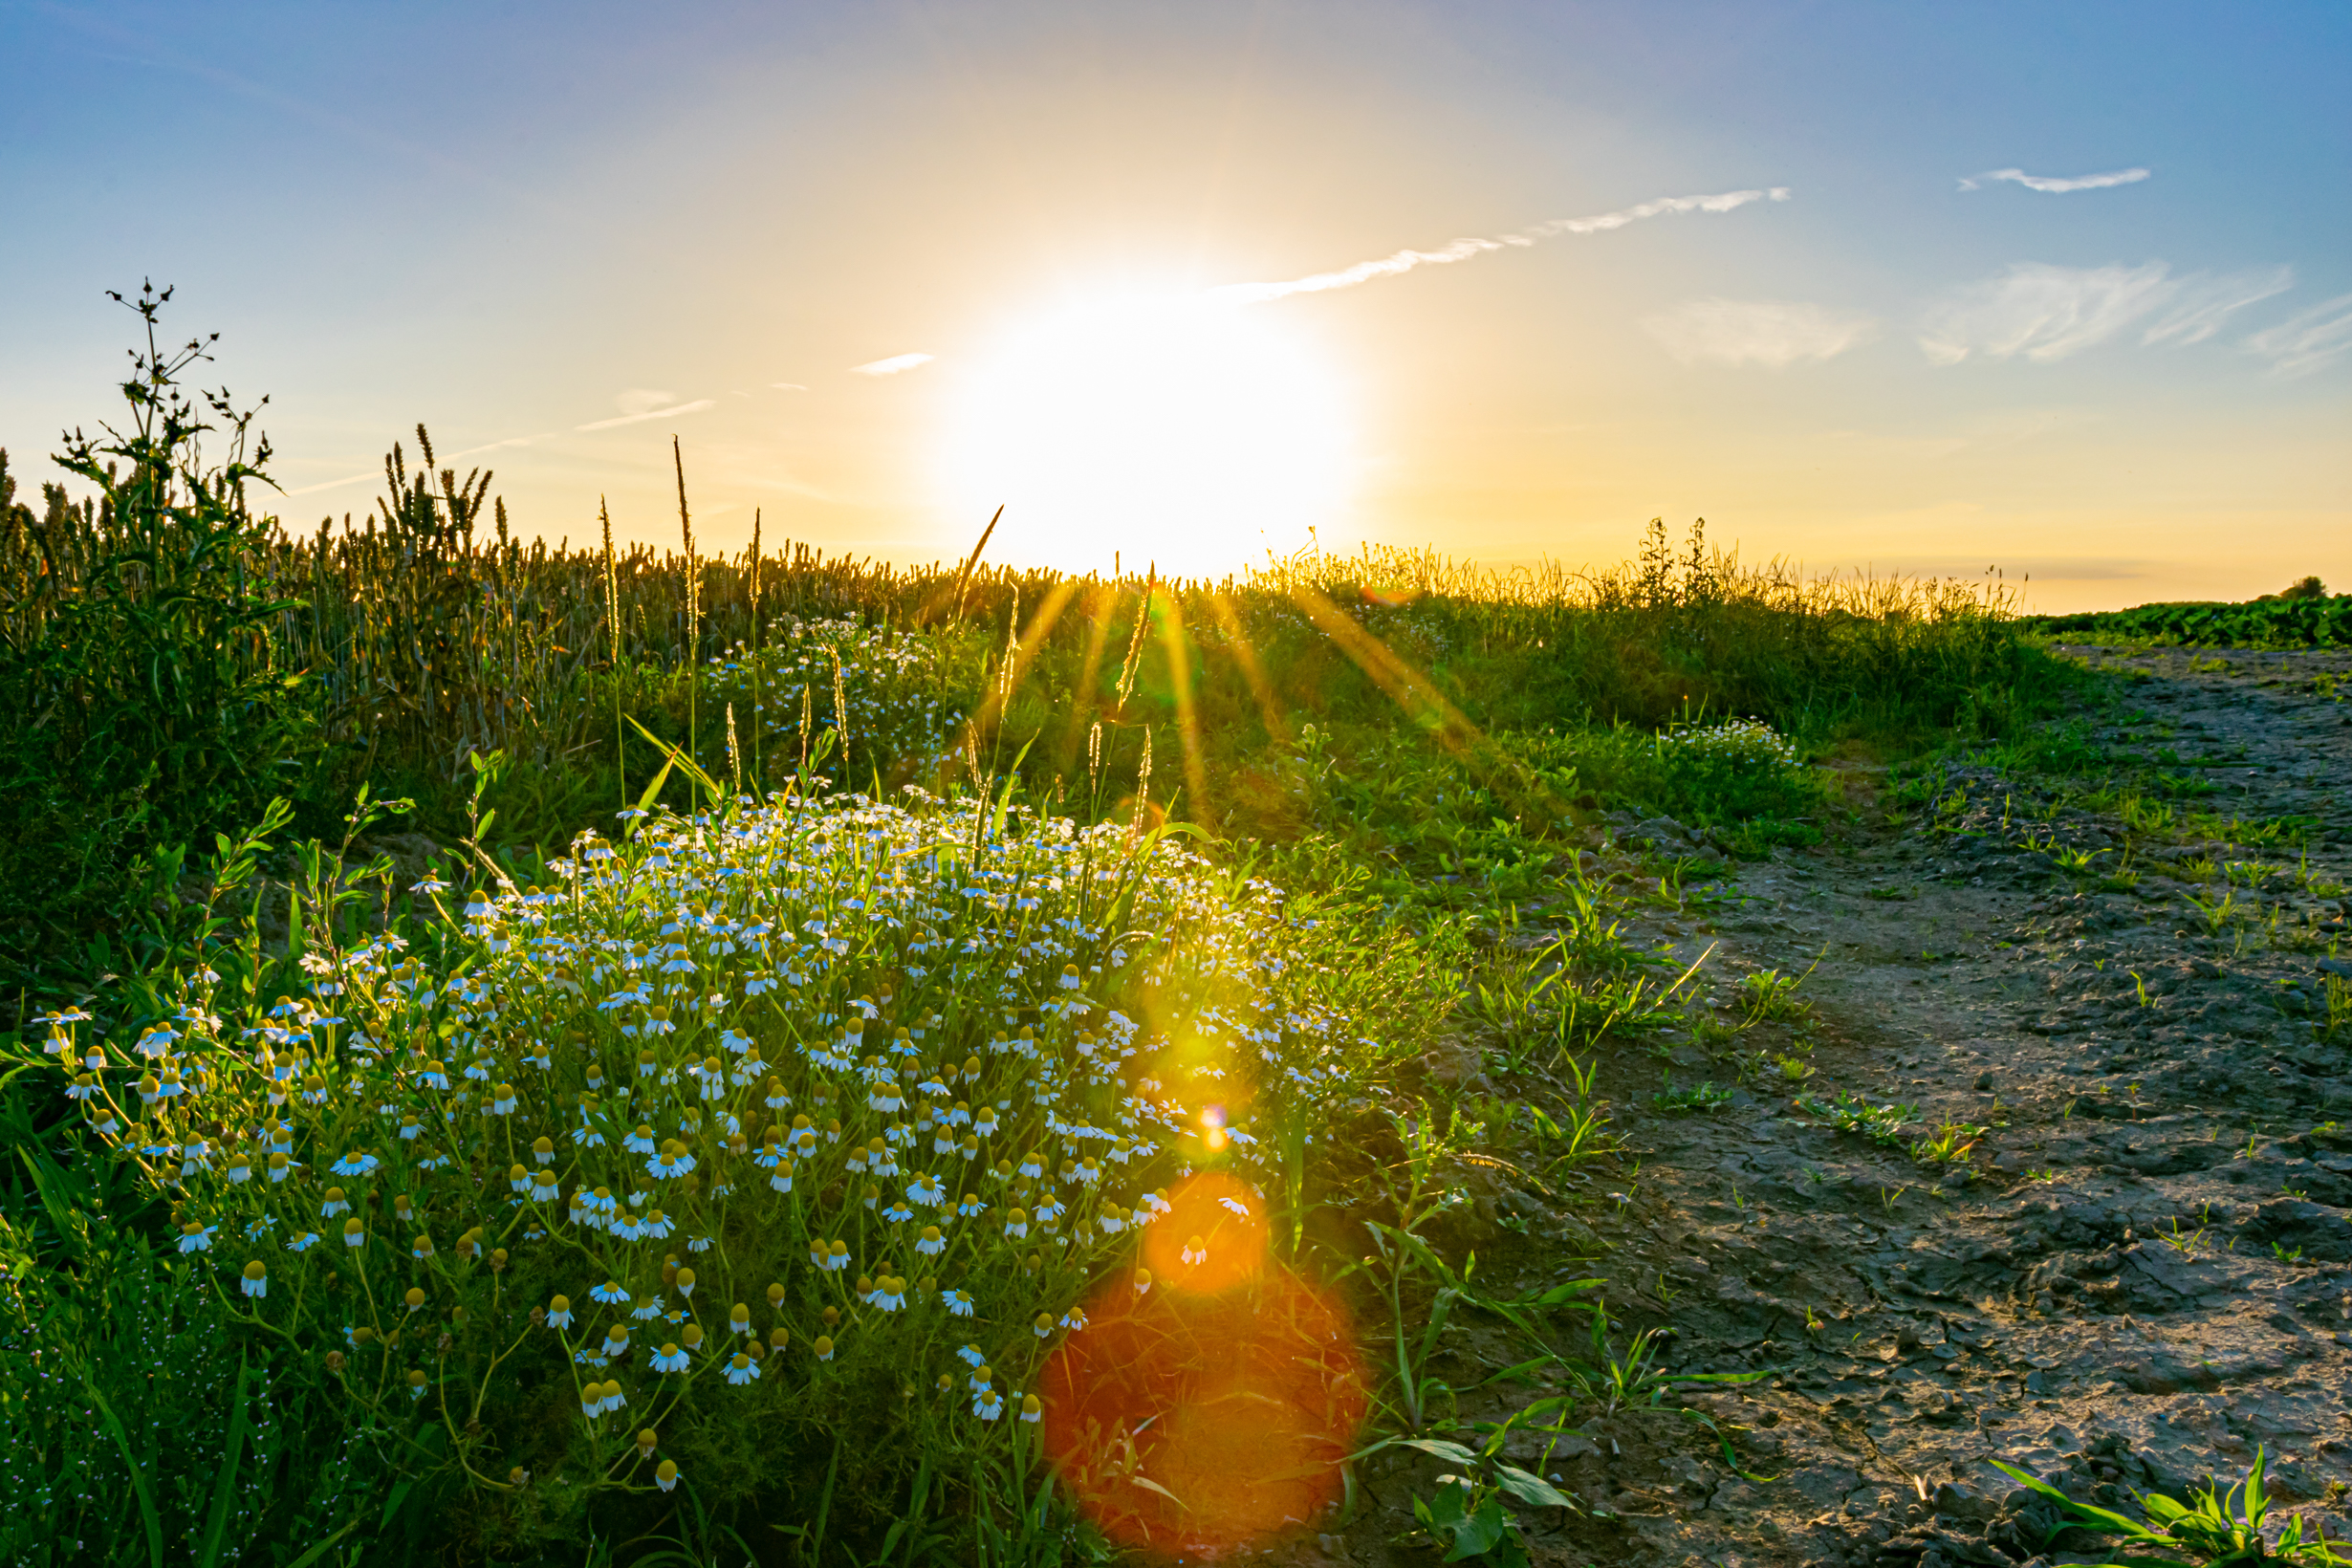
(2256, 1504)
(1480, 1531)
(217, 1528)
(678, 759)
(1509, 1553)
(1150, 1485)
(1012, 780)
(47, 1177)
(323, 1547)
(139, 1480)
(1451, 1453)
(2081, 1514)
(1530, 1488)
(1441, 1309)
(1519, 1372)
(653, 790)
(1563, 1294)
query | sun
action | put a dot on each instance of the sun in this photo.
(1171, 430)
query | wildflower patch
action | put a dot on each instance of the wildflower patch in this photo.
(792, 1118)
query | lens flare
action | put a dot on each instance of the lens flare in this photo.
(1215, 1413)
(1213, 1238)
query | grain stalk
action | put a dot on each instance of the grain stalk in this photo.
(694, 611)
(759, 705)
(612, 630)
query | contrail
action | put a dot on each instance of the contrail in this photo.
(694, 407)
(1463, 249)
(896, 364)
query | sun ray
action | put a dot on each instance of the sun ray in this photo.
(1245, 655)
(1101, 603)
(1425, 706)
(1027, 645)
(1412, 692)
(1178, 644)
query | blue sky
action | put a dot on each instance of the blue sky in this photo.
(514, 222)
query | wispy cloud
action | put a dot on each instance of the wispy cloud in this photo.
(2043, 313)
(2047, 313)
(788, 387)
(2310, 342)
(1463, 249)
(1760, 332)
(892, 366)
(2054, 185)
(2204, 303)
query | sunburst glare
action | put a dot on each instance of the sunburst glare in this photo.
(1195, 435)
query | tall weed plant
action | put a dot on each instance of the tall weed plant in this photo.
(140, 653)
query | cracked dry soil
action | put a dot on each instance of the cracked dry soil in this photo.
(2145, 1272)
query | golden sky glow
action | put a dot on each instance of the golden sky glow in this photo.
(1908, 288)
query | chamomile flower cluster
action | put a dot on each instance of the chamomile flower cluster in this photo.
(1741, 745)
(892, 687)
(734, 1103)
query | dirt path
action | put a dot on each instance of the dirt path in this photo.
(2143, 1271)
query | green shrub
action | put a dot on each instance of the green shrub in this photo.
(138, 650)
(2291, 619)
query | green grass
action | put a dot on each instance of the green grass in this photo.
(2214, 1524)
(1316, 805)
(2317, 621)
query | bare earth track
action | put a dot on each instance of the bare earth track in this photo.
(2141, 1273)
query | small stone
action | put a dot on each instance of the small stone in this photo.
(1984, 1082)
